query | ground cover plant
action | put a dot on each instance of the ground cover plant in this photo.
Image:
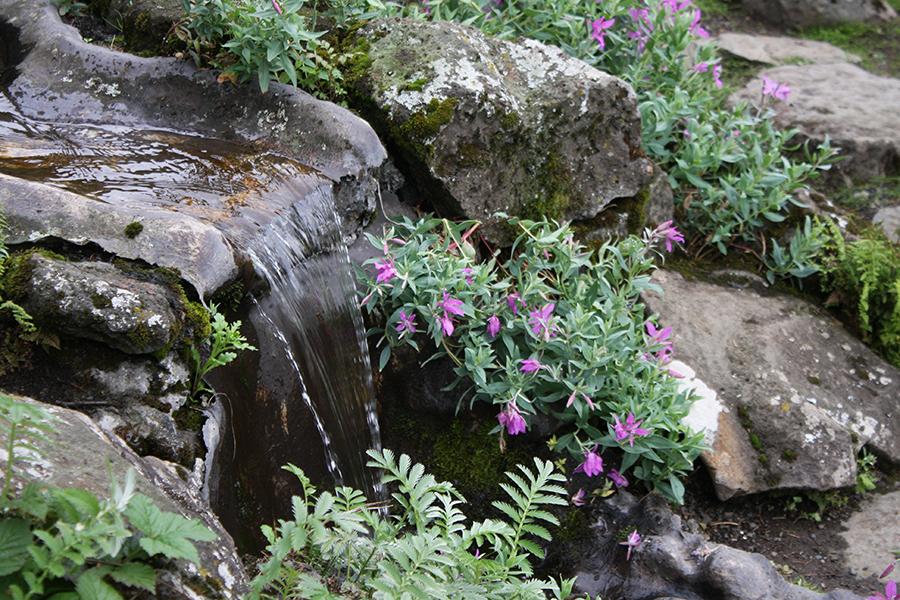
(555, 329)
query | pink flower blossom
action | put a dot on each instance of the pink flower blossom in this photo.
(493, 326)
(277, 7)
(451, 305)
(530, 365)
(407, 323)
(512, 419)
(633, 541)
(776, 90)
(701, 67)
(540, 321)
(629, 430)
(717, 76)
(696, 29)
(887, 571)
(386, 271)
(890, 592)
(586, 398)
(446, 324)
(665, 231)
(617, 478)
(598, 30)
(513, 301)
(467, 273)
(592, 464)
(578, 498)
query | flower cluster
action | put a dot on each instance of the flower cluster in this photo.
(556, 329)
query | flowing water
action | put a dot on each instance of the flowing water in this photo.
(306, 396)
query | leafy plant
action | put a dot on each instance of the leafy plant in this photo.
(66, 542)
(556, 330)
(800, 258)
(338, 545)
(225, 341)
(263, 40)
(863, 276)
(866, 477)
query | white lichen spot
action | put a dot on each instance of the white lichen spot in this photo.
(704, 413)
(225, 574)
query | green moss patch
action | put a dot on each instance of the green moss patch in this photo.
(133, 229)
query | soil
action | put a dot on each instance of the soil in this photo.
(806, 551)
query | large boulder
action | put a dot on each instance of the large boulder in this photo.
(807, 13)
(798, 394)
(672, 562)
(77, 453)
(488, 125)
(780, 50)
(858, 111)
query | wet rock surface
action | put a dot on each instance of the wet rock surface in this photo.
(858, 111)
(673, 562)
(806, 13)
(79, 454)
(799, 394)
(489, 125)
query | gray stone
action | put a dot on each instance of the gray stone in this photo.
(777, 50)
(97, 301)
(145, 24)
(871, 534)
(859, 111)
(488, 125)
(889, 220)
(197, 250)
(661, 203)
(807, 13)
(672, 562)
(77, 453)
(798, 393)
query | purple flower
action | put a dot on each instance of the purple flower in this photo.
(512, 419)
(890, 592)
(701, 67)
(451, 305)
(633, 541)
(717, 77)
(493, 326)
(887, 571)
(598, 30)
(587, 400)
(513, 301)
(617, 478)
(530, 365)
(540, 321)
(276, 6)
(696, 29)
(629, 430)
(776, 90)
(658, 336)
(386, 271)
(578, 498)
(467, 273)
(592, 464)
(446, 324)
(407, 323)
(667, 232)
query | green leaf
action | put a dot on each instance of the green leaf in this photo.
(15, 537)
(135, 574)
(91, 586)
(166, 533)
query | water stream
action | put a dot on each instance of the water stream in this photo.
(307, 395)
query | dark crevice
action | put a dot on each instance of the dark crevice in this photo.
(11, 53)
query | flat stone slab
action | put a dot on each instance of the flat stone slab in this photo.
(199, 251)
(799, 395)
(859, 111)
(779, 50)
(807, 13)
(873, 534)
(889, 220)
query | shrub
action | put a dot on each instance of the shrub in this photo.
(265, 40)
(66, 542)
(224, 342)
(423, 548)
(555, 329)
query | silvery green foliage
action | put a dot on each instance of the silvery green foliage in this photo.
(420, 545)
(729, 165)
(799, 258)
(597, 362)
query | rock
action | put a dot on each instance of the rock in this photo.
(808, 13)
(871, 534)
(799, 394)
(889, 220)
(97, 301)
(145, 24)
(672, 562)
(777, 50)
(859, 111)
(77, 453)
(197, 250)
(488, 125)
(661, 200)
